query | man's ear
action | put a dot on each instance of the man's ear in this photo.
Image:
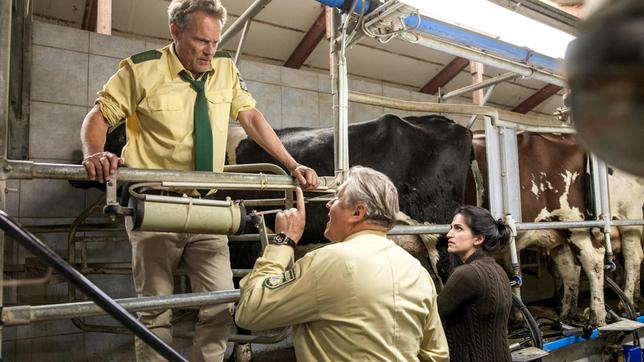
(174, 31)
(360, 211)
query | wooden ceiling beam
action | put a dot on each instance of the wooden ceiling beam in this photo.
(536, 99)
(446, 74)
(311, 40)
(98, 16)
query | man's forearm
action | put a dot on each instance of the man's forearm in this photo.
(261, 132)
(93, 132)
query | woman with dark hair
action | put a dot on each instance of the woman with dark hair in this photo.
(475, 304)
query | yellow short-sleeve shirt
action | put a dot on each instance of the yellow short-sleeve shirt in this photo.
(158, 107)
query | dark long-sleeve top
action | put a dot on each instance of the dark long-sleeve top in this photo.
(474, 307)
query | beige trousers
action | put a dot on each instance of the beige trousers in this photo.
(206, 260)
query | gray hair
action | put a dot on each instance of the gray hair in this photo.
(375, 191)
(179, 11)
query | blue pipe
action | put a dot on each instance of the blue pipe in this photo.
(490, 45)
(567, 341)
(469, 38)
(346, 4)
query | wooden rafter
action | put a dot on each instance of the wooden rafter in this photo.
(306, 46)
(537, 98)
(446, 74)
(98, 16)
(476, 71)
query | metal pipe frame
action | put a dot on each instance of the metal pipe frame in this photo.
(510, 192)
(484, 84)
(483, 101)
(222, 180)
(492, 60)
(241, 41)
(542, 12)
(5, 60)
(252, 11)
(26, 314)
(39, 249)
(339, 91)
(523, 226)
(472, 39)
(499, 117)
(606, 214)
(384, 12)
(64, 228)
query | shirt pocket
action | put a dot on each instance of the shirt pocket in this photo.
(164, 102)
(219, 103)
(218, 96)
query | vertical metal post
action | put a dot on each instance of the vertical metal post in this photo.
(602, 178)
(511, 190)
(340, 93)
(5, 50)
(594, 171)
(493, 155)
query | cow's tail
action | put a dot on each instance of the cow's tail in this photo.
(478, 181)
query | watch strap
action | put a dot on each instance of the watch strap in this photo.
(282, 239)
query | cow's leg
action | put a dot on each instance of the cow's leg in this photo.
(547, 239)
(569, 271)
(591, 257)
(242, 352)
(633, 255)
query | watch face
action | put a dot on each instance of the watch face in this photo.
(280, 238)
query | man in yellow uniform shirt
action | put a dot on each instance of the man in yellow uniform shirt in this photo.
(361, 299)
(177, 102)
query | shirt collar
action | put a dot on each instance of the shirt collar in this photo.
(366, 232)
(175, 64)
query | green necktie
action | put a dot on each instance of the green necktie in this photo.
(203, 132)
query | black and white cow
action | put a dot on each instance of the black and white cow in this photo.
(427, 158)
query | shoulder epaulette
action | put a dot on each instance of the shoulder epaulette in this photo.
(222, 54)
(145, 56)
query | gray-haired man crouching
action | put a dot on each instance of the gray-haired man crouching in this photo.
(363, 298)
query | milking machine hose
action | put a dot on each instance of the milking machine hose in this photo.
(39, 249)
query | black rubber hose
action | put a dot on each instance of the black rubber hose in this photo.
(39, 249)
(630, 308)
(535, 332)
